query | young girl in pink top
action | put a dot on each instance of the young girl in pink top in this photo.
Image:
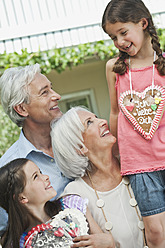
(136, 81)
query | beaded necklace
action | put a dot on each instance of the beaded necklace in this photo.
(100, 204)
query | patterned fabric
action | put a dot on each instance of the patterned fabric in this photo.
(74, 201)
(22, 239)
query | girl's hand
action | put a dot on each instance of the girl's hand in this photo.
(103, 240)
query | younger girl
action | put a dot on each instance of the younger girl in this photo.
(25, 195)
(136, 81)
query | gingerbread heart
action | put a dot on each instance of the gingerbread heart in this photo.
(59, 232)
(63, 227)
(130, 106)
(74, 233)
(144, 110)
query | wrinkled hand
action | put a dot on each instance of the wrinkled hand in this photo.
(103, 240)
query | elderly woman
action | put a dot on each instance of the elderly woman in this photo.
(82, 145)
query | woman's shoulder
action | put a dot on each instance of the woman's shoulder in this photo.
(74, 186)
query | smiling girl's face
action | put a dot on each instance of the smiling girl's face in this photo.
(128, 37)
(38, 189)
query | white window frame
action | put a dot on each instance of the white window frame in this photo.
(79, 94)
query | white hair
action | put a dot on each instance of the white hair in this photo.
(13, 87)
(67, 141)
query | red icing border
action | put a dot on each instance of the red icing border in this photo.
(157, 117)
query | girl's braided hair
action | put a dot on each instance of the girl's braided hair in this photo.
(132, 11)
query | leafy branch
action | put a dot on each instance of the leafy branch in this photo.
(59, 58)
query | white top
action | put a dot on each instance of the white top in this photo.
(117, 210)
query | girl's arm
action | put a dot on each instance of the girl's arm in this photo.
(96, 239)
(114, 109)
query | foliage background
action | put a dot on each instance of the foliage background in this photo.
(9, 132)
(56, 59)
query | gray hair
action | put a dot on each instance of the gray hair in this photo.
(13, 87)
(67, 141)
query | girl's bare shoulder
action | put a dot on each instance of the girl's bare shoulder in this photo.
(110, 63)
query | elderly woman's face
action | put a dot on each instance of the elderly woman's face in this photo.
(96, 135)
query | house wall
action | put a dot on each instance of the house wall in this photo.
(32, 24)
(84, 77)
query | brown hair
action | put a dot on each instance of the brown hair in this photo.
(132, 11)
(12, 183)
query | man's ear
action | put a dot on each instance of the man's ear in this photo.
(84, 150)
(22, 199)
(21, 110)
(144, 23)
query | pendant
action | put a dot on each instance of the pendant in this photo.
(141, 225)
(133, 202)
(145, 111)
(100, 203)
(146, 246)
(108, 226)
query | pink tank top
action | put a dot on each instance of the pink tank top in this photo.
(137, 154)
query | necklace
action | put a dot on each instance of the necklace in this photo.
(153, 73)
(100, 204)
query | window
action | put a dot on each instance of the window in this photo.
(82, 98)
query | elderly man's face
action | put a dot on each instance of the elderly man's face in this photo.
(43, 106)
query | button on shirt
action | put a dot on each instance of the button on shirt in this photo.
(22, 148)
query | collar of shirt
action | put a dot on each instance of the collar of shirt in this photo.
(26, 147)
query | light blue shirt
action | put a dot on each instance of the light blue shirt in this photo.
(22, 148)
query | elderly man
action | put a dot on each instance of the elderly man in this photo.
(29, 100)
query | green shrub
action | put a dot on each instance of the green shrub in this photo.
(9, 132)
(161, 33)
